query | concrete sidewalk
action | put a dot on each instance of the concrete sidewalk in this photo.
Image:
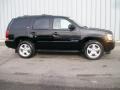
(61, 69)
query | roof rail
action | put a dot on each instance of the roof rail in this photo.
(44, 14)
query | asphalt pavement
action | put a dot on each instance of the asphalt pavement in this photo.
(59, 71)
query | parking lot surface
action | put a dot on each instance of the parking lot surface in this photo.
(59, 69)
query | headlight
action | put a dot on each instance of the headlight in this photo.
(109, 37)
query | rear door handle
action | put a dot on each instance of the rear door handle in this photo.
(33, 33)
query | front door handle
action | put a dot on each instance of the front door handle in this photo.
(55, 33)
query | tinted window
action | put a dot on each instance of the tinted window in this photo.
(21, 23)
(60, 23)
(42, 23)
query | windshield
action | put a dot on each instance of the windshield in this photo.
(78, 23)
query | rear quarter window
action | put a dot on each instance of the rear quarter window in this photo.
(21, 23)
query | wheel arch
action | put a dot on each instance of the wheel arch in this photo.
(19, 39)
(99, 39)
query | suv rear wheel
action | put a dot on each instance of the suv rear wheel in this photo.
(93, 50)
(26, 49)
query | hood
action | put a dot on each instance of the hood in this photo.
(98, 29)
(102, 30)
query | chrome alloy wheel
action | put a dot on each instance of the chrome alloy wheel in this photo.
(24, 50)
(93, 51)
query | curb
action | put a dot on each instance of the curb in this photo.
(2, 43)
(117, 43)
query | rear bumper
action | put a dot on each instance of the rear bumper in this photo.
(10, 44)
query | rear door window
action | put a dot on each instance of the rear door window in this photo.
(42, 23)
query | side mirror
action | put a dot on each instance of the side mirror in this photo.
(71, 27)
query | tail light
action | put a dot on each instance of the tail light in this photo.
(7, 35)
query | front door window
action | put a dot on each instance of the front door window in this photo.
(60, 23)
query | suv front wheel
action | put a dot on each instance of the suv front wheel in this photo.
(93, 50)
(26, 49)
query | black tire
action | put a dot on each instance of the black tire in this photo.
(91, 42)
(31, 46)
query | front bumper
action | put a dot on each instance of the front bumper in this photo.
(10, 43)
(108, 46)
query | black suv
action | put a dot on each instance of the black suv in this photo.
(28, 34)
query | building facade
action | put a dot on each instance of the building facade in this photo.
(103, 14)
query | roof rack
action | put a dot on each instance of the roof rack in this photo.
(44, 14)
(24, 16)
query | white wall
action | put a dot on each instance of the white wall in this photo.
(93, 13)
